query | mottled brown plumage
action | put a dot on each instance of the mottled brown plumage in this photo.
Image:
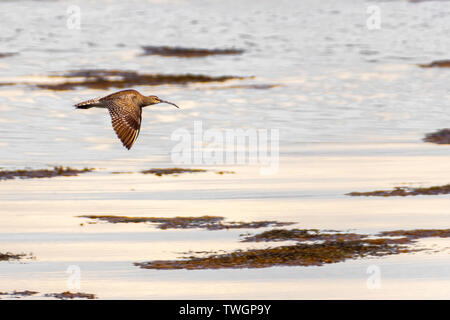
(125, 108)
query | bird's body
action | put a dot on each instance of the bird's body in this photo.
(125, 108)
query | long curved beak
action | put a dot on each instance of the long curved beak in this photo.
(163, 101)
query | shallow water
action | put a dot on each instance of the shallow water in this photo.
(351, 107)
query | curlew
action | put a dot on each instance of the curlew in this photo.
(125, 108)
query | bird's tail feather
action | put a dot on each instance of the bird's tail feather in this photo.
(87, 104)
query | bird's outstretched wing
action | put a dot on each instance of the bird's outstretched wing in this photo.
(126, 119)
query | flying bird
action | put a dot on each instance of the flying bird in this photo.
(125, 108)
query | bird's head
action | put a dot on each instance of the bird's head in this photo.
(154, 100)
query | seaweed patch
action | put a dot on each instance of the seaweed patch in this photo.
(437, 63)
(294, 255)
(438, 137)
(18, 294)
(225, 172)
(167, 171)
(8, 256)
(302, 235)
(313, 248)
(176, 171)
(63, 295)
(404, 191)
(181, 52)
(42, 173)
(71, 295)
(203, 222)
(417, 233)
(105, 79)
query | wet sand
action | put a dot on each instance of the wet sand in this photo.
(106, 252)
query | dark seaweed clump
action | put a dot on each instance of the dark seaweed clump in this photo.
(295, 255)
(204, 222)
(404, 191)
(105, 79)
(71, 295)
(176, 171)
(437, 63)
(439, 137)
(181, 52)
(167, 171)
(313, 248)
(417, 234)
(62, 296)
(10, 256)
(302, 235)
(18, 294)
(14, 256)
(223, 172)
(42, 173)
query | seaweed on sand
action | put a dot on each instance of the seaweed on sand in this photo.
(105, 79)
(437, 63)
(42, 173)
(181, 52)
(18, 294)
(63, 295)
(223, 172)
(313, 248)
(293, 255)
(439, 137)
(302, 235)
(203, 222)
(13, 256)
(166, 171)
(176, 171)
(417, 233)
(71, 295)
(404, 191)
